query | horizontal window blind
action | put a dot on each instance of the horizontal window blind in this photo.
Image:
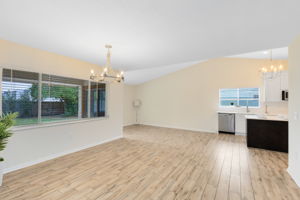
(97, 102)
(46, 98)
(239, 97)
(62, 98)
(18, 95)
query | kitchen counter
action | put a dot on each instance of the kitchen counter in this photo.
(236, 112)
(229, 112)
(241, 118)
(267, 132)
(251, 115)
(268, 117)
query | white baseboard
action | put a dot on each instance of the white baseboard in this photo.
(50, 157)
(296, 179)
(181, 128)
(129, 124)
(241, 134)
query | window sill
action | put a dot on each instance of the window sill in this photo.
(239, 107)
(51, 124)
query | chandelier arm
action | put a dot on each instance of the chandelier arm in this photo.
(108, 72)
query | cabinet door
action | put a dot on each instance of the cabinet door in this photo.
(273, 90)
(265, 134)
(240, 124)
(284, 85)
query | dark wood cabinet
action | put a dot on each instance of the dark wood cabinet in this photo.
(267, 134)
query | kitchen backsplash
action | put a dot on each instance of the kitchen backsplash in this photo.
(273, 108)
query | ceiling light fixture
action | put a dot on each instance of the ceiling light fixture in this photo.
(108, 74)
(272, 70)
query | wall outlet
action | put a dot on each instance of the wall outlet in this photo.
(296, 115)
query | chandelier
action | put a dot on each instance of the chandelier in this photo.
(272, 70)
(108, 74)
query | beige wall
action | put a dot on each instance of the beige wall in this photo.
(129, 114)
(294, 110)
(188, 98)
(33, 145)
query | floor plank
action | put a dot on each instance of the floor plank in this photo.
(158, 163)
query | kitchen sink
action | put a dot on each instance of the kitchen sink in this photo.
(270, 116)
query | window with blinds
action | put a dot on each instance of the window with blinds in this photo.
(19, 95)
(42, 98)
(241, 97)
(97, 101)
(62, 98)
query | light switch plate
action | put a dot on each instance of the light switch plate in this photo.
(296, 116)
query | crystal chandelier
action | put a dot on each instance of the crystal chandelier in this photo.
(271, 71)
(108, 74)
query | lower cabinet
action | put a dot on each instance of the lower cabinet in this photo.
(240, 124)
(267, 134)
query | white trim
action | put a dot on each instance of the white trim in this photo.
(30, 163)
(238, 98)
(129, 124)
(79, 111)
(61, 83)
(241, 134)
(180, 128)
(297, 181)
(40, 82)
(40, 85)
(58, 123)
(89, 100)
(107, 96)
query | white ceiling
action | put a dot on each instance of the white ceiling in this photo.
(277, 54)
(134, 77)
(150, 33)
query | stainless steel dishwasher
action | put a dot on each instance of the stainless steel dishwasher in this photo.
(226, 123)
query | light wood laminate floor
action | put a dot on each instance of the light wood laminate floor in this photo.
(158, 163)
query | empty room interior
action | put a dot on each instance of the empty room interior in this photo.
(149, 100)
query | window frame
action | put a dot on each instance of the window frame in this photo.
(79, 111)
(238, 98)
(90, 95)
(40, 82)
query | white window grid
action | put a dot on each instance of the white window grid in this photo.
(40, 82)
(238, 98)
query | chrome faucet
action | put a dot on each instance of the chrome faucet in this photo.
(266, 108)
(247, 107)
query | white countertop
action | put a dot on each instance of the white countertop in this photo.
(257, 116)
(236, 112)
(229, 112)
(268, 117)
